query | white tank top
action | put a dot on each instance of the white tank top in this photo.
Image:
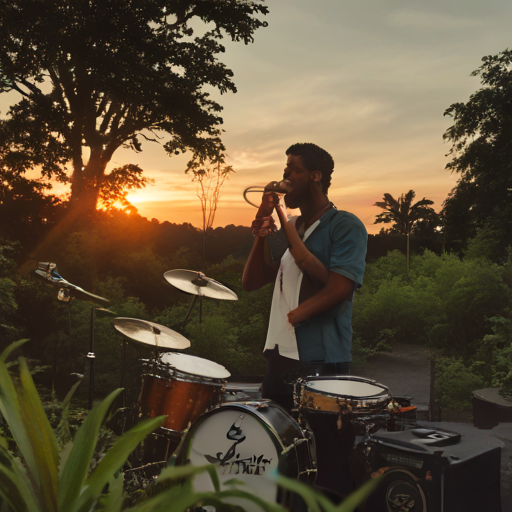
(285, 299)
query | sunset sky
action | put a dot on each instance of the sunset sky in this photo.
(368, 81)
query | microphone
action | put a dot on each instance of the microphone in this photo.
(279, 187)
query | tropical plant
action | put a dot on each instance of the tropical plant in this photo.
(38, 481)
(405, 215)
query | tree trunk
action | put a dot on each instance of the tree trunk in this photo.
(408, 256)
(85, 190)
(86, 182)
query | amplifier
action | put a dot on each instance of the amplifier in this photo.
(430, 470)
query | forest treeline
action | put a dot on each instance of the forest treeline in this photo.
(457, 306)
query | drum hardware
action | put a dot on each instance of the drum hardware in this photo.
(67, 293)
(197, 284)
(146, 333)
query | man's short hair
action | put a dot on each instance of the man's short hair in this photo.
(315, 159)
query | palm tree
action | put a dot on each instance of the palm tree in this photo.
(404, 214)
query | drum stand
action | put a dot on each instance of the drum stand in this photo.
(68, 292)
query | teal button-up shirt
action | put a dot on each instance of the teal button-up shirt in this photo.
(339, 242)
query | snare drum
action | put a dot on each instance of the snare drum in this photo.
(340, 393)
(246, 441)
(182, 387)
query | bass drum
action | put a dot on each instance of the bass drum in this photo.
(247, 441)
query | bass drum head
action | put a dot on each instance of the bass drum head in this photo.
(243, 441)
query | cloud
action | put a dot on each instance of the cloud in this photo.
(434, 21)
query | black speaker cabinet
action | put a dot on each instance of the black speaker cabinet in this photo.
(430, 470)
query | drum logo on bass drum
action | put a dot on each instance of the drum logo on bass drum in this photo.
(231, 463)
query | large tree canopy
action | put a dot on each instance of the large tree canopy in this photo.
(96, 75)
(481, 137)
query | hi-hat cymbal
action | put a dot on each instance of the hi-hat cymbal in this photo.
(197, 283)
(150, 333)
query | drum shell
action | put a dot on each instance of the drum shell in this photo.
(182, 398)
(320, 401)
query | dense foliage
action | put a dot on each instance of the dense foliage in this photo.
(481, 204)
(458, 308)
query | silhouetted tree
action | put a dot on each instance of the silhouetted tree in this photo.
(97, 75)
(481, 137)
(404, 215)
(209, 179)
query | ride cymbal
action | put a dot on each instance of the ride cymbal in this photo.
(196, 283)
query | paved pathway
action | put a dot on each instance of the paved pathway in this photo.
(405, 371)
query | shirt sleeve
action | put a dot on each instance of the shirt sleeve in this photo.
(349, 240)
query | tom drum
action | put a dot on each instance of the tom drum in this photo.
(182, 387)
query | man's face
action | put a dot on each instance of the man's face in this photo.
(300, 180)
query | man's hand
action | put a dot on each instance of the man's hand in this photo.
(296, 317)
(264, 225)
(268, 202)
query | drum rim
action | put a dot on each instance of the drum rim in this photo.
(184, 357)
(276, 438)
(385, 393)
(213, 382)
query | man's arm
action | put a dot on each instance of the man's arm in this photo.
(338, 289)
(304, 259)
(258, 272)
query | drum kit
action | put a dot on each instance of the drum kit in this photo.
(228, 424)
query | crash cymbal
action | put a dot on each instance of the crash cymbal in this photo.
(150, 333)
(197, 283)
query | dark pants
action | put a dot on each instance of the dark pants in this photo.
(333, 445)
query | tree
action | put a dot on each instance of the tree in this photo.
(97, 75)
(481, 137)
(405, 215)
(209, 180)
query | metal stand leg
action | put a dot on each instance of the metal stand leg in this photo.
(123, 370)
(189, 311)
(91, 357)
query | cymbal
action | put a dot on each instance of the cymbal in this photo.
(150, 333)
(197, 283)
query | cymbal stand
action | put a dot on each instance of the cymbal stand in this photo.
(189, 311)
(201, 283)
(91, 356)
(123, 369)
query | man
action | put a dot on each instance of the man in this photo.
(310, 320)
